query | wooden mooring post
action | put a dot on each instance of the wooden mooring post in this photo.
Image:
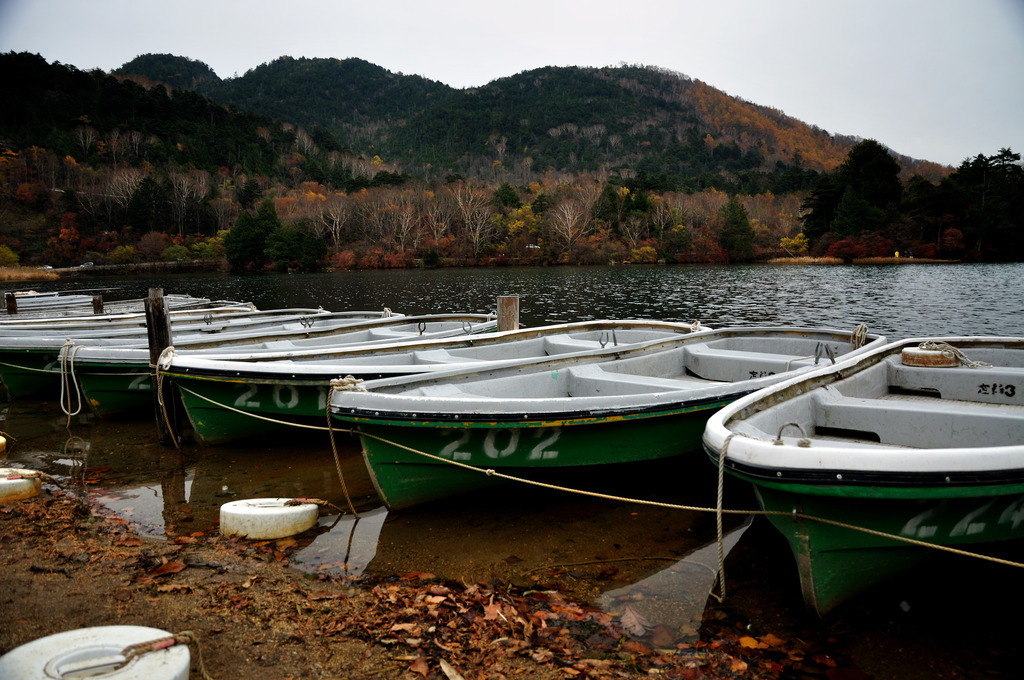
(12, 303)
(158, 331)
(508, 312)
(97, 304)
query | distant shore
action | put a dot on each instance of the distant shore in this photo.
(860, 260)
(27, 274)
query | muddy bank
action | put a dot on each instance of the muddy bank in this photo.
(68, 565)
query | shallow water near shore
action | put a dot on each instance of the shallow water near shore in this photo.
(948, 621)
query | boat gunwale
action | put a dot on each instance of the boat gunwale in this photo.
(932, 463)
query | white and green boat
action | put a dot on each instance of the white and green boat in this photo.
(427, 437)
(35, 362)
(244, 395)
(865, 466)
(111, 378)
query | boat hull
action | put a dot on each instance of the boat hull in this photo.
(878, 464)
(223, 410)
(835, 562)
(31, 373)
(458, 456)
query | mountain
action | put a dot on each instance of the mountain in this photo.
(677, 130)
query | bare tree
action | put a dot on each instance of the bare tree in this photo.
(336, 212)
(570, 221)
(123, 183)
(438, 213)
(475, 209)
(86, 137)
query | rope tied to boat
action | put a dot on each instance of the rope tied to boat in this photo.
(859, 336)
(719, 535)
(695, 326)
(952, 352)
(163, 363)
(349, 383)
(342, 384)
(185, 637)
(491, 472)
(67, 379)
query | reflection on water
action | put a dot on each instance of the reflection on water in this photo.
(517, 534)
(675, 596)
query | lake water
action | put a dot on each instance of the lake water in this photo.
(661, 562)
(895, 300)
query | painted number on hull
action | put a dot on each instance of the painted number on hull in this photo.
(970, 524)
(286, 396)
(243, 400)
(498, 444)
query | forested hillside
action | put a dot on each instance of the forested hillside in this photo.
(304, 164)
(684, 133)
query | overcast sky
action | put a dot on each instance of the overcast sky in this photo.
(941, 80)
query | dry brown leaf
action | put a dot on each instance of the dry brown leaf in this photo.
(420, 666)
(172, 567)
(634, 622)
(751, 643)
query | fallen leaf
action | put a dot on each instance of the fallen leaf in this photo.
(172, 567)
(634, 623)
(751, 643)
(772, 641)
(174, 588)
(448, 671)
(248, 583)
(420, 666)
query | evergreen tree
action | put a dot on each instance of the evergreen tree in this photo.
(246, 244)
(737, 236)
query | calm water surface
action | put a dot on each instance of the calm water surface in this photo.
(895, 300)
(661, 562)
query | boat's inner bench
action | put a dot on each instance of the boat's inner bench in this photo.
(918, 422)
(593, 381)
(730, 365)
(564, 344)
(994, 385)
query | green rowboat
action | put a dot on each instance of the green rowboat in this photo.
(866, 466)
(427, 437)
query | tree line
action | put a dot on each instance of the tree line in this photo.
(115, 182)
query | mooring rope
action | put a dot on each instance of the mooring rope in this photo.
(347, 383)
(952, 352)
(490, 472)
(257, 416)
(67, 371)
(356, 384)
(719, 536)
(859, 335)
(163, 362)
